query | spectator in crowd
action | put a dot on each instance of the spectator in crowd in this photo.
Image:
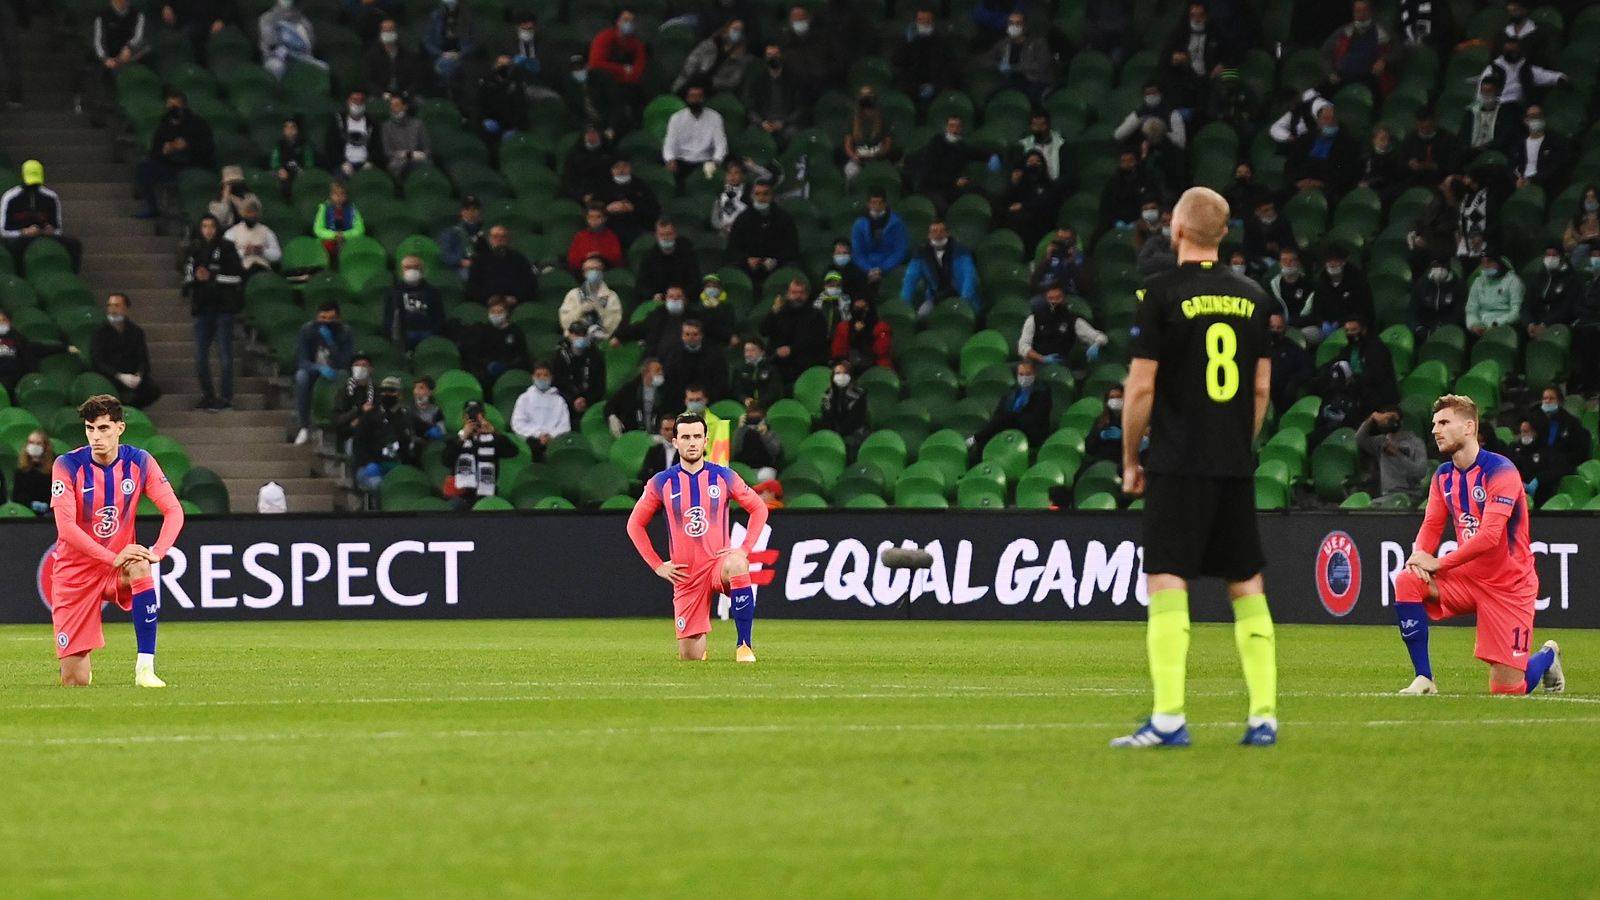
(1024, 59)
(1064, 264)
(181, 140)
(325, 346)
(1477, 199)
(756, 382)
(199, 19)
(532, 64)
(940, 170)
(292, 154)
(631, 206)
(844, 408)
(1157, 254)
(1358, 380)
(1244, 194)
(1049, 334)
(30, 212)
(229, 204)
(541, 413)
(833, 302)
(1540, 468)
(1104, 441)
(695, 137)
(1043, 137)
(595, 241)
(662, 327)
(1291, 286)
(459, 242)
(405, 140)
(1204, 40)
(1425, 23)
(1026, 407)
(353, 141)
(1561, 439)
(1487, 124)
(1125, 192)
(796, 332)
(1291, 364)
(286, 37)
(862, 339)
(670, 261)
(717, 311)
(1342, 293)
(663, 454)
(1361, 52)
(495, 347)
(691, 362)
(879, 242)
(413, 310)
(593, 302)
(1165, 161)
(30, 483)
(19, 356)
(473, 454)
(1033, 200)
(390, 68)
(1184, 91)
(502, 108)
(814, 57)
(579, 371)
(1300, 119)
(256, 244)
(450, 40)
(764, 236)
(1583, 228)
(1553, 295)
(1384, 171)
(856, 282)
(1521, 26)
(424, 417)
(337, 220)
(1495, 297)
(753, 442)
(119, 38)
(720, 60)
(734, 198)
(1585, 353)
(381, 439)
(1266, 235)
(642, 401)
(942, 268)
(1429, 154)
(1399, 456)
(870, 138)
(355, 398)
(498, 270)
(1237, 264)
(1328, 160)
(213, 279)
(1438, 299)
(118, 351)
(775, 101)
(617, 61)
(925, 63)
(1522, 81)
(587, 165)
(1152, 105)
(1541, 157)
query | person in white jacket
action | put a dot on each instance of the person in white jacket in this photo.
(541, 412)
(592, 301)
(257, 244)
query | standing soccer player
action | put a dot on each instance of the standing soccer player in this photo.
(696, 495)
(1491, 571)
(1200, 379)
(95, 493)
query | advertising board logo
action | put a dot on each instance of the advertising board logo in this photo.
(1338, 573)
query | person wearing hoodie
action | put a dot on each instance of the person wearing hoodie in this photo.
(1495, 297)
(1439, 298)
(405, 140)
(1554, 294)
(31, 212)
(541, 413)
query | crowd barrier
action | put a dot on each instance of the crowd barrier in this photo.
(1021, 565)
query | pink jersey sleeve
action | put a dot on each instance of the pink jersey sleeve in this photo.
(161, 494)
(64, 501)
(1500, 501)
(1432, 530)
(756, 507)
(649, 503)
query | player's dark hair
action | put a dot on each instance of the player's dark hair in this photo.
(687, 418)
(101, 405)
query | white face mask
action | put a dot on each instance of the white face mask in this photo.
(357, 110)
(1151, 215)
(658, 380)
(801, 28)
(35, 451)
(1014, 31)
(593, 276)
(497, 319)
(1552, 263)
(1166, 231)
(412, 276)
(1114, 404)
(939, 243)
(360, 373)
(5, 329)
(1238, 268)
(761, 205)
(1152, 100)
(389, 37)
(1439, 275)
(524, 34)
(832, 290)
(1025, 381)
(925, 31)
(841, 380)
(1335, 271)
(622, 179)
(1291, 271)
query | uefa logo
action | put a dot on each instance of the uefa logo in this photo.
(1338, 573)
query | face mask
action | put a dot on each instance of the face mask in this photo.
(1591, 206)
(1594, 263)
(1268, 220)
(877, 213)
(580, 76)
(1291, 271)
(1151, 215)
(621, 179)
(939, 243)
(360, 373)
(115, 319)
(1535, 126)
(657, 380)
(801, 29)
(775, 63)
(1166, 232)
(1363, 27)
(1330, 131)
(1335, 271)
(1488, 102)
(1041, 137)
(1014, 31)
(285, 4)
(1512, 57)
(696, 108)
(1196, 27)
(1439, 275)
(541, 384)
(952, 138)
(37, 450)
(841, 259)
(389, 401)
(695, 406)
(832, 290)
(1525, 440)
(761, 205)
(626, 28)
(1427, 134)
(412, 276)
(1025, 381)
(675, 307)
(1152, 100)
(389, 37)
(525, 35)
(593, 276)
(1238, 268)
(423, 401)
(691, 348)
(580, 344)
(1552, 263)
(1493, 273)
(449, 4)
(1276, 333)
(1549, 408)
(667, 245)
(5, 330)
(1114, 404)
(924, 31)
(713, 293)
(397, 115)
(497, 319)
(356, 110)
(249, 222)
(841, 380)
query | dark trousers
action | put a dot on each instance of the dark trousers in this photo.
(151, 176)
(218, 328)
(19, 249)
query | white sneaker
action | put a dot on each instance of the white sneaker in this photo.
(1555, 680)
(1422, 684)
(304, 437)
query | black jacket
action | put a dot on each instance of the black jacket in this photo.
(762, 235)
(1551, 297)
(408, 308)
(196, 134)
(1554, 155)
(223, 289)
(800, 328)
(1338, 170)
(113, 352)
(646, 210)
(1033, 418)
(503, 271)
(659, 271)
(585, 170)
(628, 406)
(705, 367)
(385, 74)
(660, 330)
(845, 411)
(1267, 240)
(1338, 302)
(487, 344)
(1291, 370)
(382, 435)
(29, 206)
(579, 375)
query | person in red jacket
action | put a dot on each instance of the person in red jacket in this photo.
(595, 240)
(862, 338)
(618, 56)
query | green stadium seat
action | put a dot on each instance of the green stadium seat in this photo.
(1102, 501)
(1009, 451)
(1558, 503)
(1333, 464)
(1357, 500)
(1289, 447)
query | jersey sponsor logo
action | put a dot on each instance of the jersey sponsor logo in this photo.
(105, 522)
(58, 487)
(127, 487)
(1338, 573)
(1467, 527)
(1478, 495)
(694, 521)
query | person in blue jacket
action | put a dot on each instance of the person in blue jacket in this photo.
(941, 268)
(878, 240)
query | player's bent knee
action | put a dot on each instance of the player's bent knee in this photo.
(1409, 588)
(735, 565)
(138, 569)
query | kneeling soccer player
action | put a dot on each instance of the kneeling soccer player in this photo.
(95, 493)
(696, 495)
(1490, 573)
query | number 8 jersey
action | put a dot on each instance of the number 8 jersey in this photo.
(1206, 329)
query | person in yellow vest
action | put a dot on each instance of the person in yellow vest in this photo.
(719, 434)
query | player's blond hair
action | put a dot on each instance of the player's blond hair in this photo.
(1460, 403)
(1204, 214)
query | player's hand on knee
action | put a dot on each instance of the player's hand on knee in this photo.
(131, 554)
(673, 572)
(1424, 574)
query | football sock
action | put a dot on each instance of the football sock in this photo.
(1413, 620)
(744, 607)
(1538, 664)
(1167, 639)
(1258, 653)
(144, 615)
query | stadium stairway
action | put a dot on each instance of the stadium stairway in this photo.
(245, 446)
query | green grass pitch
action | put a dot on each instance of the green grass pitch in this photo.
(577, 758)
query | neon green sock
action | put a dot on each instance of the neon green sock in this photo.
(1258, 652)
(1167, 639)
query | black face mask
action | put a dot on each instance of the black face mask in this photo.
(696, 107)
(869, 103)
(1042, 137)
(389, 401)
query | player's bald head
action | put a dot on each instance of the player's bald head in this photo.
(1200, 218)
